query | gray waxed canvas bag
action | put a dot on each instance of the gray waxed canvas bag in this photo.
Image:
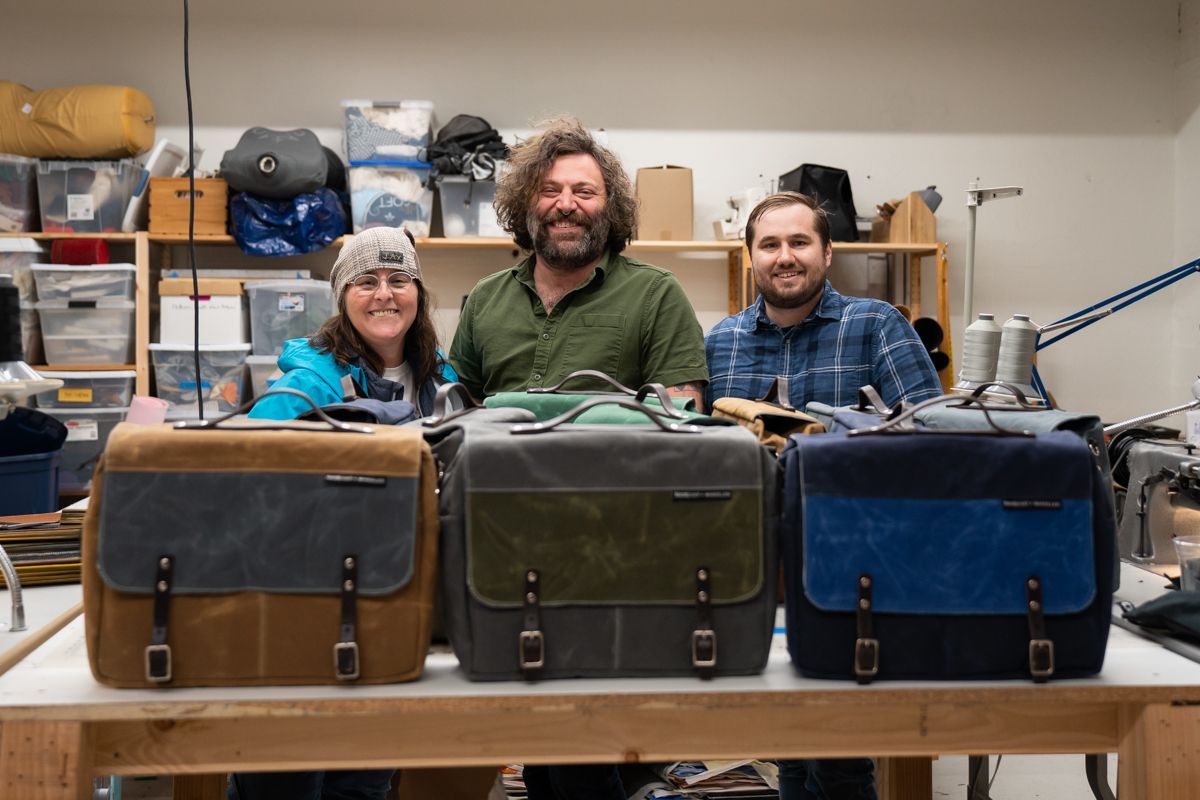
(580, 550)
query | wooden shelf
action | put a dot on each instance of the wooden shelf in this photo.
(920, 249)
(47, 237)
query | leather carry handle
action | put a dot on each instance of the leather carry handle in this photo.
(630, 405)
(664, 399)
(279, 425)
(777, 394)
(583, 373)
(441, 404)
(1022, 400)
(900, 424)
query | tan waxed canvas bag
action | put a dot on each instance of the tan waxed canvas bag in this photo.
(287, 553)
(771, 418)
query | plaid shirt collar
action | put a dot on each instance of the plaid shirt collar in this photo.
(830, 306)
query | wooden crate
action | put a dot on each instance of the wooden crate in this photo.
(169, 205)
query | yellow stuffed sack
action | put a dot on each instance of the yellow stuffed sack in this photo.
(75, 121)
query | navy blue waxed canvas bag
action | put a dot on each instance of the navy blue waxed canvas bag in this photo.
(918, 554)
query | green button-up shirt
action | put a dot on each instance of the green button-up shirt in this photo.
(629, 320)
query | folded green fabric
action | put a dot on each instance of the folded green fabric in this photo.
(548, 406)
(1175, 612)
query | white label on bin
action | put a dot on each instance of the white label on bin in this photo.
(80, 207)
(83, 430)
(488, 226)
(291, 302)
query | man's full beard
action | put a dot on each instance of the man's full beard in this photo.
(569, 255)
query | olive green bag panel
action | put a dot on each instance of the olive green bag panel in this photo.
(616, 521)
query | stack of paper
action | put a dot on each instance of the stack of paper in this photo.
(44, 547)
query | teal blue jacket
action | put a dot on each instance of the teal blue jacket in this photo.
(319, 375)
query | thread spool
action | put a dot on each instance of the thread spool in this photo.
(981, 348)
(1014, 362)
(10, 322)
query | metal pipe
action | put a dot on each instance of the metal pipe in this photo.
(969, 274)
(1142, 420)
(14, 590)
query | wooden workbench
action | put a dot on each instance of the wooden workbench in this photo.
(58, 727)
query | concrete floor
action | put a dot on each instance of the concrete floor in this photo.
(1021, 778)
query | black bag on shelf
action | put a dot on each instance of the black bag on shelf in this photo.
(830, 186)
(466, 145)
(280, 164)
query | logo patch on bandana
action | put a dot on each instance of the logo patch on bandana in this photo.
(391, 257)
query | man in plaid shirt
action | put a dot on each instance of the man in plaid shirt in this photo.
(826, 344)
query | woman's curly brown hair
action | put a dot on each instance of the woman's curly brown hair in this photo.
(517, 188)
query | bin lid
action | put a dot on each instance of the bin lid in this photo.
(94, 374)
(117, 303)
(164, 347)
(83, 267)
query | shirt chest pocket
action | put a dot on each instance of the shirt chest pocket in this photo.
(594, 341)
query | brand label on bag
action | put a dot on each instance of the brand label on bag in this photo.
(357, 480)
(702, 494)
(1032, 505)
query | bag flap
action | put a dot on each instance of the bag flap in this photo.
(774, 418)
(614, 515)
(947, 524)
(259, 510)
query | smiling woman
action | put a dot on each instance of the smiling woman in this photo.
(381, 345)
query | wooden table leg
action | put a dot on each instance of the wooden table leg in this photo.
(1159, 754)
(198, 787)
(904, 778)
(45, 761)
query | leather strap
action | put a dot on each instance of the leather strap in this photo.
(866, 646)
(349, 390)
(777, 393)
(158, 653)
(1041, 649)
(532, 643)
(704, 638)
(345, 652)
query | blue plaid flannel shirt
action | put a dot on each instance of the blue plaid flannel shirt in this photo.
(847, 342)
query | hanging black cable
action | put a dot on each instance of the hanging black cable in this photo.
(191, 172)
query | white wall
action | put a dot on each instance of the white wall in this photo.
(1080, 102)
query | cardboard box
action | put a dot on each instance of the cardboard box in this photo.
(222, 304)
(169, 206)
(665, 201)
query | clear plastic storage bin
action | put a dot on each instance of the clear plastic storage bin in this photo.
(282, 310)
(17, 257)
(391, 195)
(18, 194)
(467, 207)
(387, 131)
(85, 196)
(65, 282)
(99, 333)
(222, 367)
(87, 433)
(105, 389)
(262, 368)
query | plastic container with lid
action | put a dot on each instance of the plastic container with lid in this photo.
(282, 310)
(222, 367)
(467, 207)
(87, 332)
(378, 130)
(85, 196)
(262, 373)
(18, 194)
(99, 389)
(87, 433)
(65, 282)
(391, 195)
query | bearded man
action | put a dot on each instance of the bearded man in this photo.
(826, 344)
(576, 302)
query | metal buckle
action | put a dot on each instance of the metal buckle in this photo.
(866, 658)
(345, 661)
(1041, 658)
(158, 663)
(704, 641)
(533, 650)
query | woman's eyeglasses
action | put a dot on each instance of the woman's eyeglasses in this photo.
(369, 284)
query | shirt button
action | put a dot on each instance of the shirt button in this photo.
(545, 336)
(537, 377)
